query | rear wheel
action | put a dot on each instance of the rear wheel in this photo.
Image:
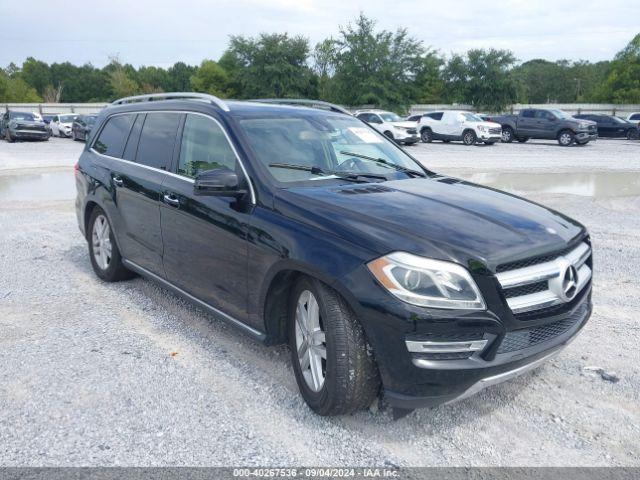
(469, 137)
(334, 370)
(507, 134)
(103, 250)
(566, 138)
(426, 135)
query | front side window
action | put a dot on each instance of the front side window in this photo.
(114, 135)
(321, 144)
(635, 116)
(157, 139)
(204, 147)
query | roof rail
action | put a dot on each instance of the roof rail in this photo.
(152, 97)
(304, 102)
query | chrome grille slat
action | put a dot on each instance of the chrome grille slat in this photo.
(548, 271)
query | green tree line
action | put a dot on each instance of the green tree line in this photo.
(362, 65)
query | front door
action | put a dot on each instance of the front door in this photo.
(205, 237)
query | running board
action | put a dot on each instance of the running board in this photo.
(252, 332)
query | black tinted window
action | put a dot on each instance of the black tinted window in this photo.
(157, 139)
(114, 135)
(204, 147)
(435, 116)
(528, 113)
(635, 116)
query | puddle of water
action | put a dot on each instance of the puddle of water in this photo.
(39, 186)
(601, 184)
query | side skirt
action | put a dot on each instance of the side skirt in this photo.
(252, 332)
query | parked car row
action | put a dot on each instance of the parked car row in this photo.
(470, 128)
(31, 126)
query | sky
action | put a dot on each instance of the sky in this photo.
(145, 32)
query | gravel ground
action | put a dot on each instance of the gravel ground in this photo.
(128, 374)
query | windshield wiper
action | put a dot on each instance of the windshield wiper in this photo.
(397, 167)
(351, 176)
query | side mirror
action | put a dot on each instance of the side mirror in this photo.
(220, 182)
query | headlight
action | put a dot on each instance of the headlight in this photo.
(426, 282)
(583, 126)
(482, 128)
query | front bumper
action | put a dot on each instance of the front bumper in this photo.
(29, 134)
(489, 137)
(586, 136)
(406, 137)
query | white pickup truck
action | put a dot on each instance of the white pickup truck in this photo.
(458, 125)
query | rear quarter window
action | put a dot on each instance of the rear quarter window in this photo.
(114, 135)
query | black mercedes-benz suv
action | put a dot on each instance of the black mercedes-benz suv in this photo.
(298, 223)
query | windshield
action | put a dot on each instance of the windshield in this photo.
(90, 120)
(67, 118)
(560, 113)
(471, 117)
(324, 145)
(618, 120)
(23, 116)
(390, 117)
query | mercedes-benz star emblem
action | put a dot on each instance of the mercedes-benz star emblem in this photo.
(569, 282)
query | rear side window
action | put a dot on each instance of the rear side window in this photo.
(528, 113)
(635, 116)
(114, 135)
(157, 139)
(435, 115)
(204, 147)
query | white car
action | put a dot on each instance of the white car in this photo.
(458, 125)
(634, 117)
(60, 125)
(391, 125)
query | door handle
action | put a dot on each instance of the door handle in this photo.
(117, 181)
(171, 199)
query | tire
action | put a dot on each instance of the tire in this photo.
(426, 135)
(507, 134)
(632, 134)
(110, 267)
(566, 138)
(346, 379)
(523, 139)
(469, 137)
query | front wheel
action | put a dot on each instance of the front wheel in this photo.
(633, 134)
(469, 137)
(334, 369)
(566, 138)
(507, 135)
(103, 250)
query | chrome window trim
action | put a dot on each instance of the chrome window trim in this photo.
(191, 180)
(548, 271)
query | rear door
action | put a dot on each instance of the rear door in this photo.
(205, 237)
(527, 124)
(138, 182)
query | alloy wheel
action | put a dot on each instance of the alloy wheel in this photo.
(506, 135)
(310, 341)
(565, 138)
(101, 242)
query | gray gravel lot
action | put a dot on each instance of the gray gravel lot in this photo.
(128, 374)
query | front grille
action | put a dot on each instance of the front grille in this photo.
(526, 289)
(546, 284)
(529, 337)
(553, 310)
(495, 131)
(530, 261)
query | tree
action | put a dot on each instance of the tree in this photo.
(622, 84)
(36, 73)
(375, 67)
(271, 65)
(482, 78)
(19, 91)
(429, 81)
(211, 78)
(323, 66)
(121, 84)
(180, 77)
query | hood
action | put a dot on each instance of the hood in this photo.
(439, 217)
(579, 120)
